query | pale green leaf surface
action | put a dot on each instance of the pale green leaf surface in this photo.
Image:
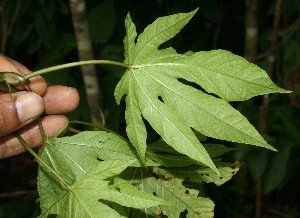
(183, 198)
(160, 31)
(154, 87)
(81, 198)
(94, 145)
(210, 116)
(131, 196)
(220, 72)
(74, 164)
(136, 130)
(129, 44)
(164, 120)
(171, 190)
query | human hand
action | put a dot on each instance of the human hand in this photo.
(19, 111)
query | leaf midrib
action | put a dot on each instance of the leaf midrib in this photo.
(173, 193)
(140, 66)
(160, 111)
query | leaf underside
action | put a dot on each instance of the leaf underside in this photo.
(171, 190)
(161, 87)
(83, 175)
(180, 95)
(78, 176)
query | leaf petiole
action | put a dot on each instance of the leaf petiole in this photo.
(74, 64)
(41, 128)
(40, 161)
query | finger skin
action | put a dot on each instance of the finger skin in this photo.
(60, 99)
(10, 145)
(11, 122)
(56, 100)
(10, 119)
(37, 84)
(14, 114)
(9, 65)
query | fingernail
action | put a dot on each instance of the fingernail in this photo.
(29, 105)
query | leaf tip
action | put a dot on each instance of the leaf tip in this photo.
(196, 10)
(286, 91)
(268, 146)
(128, 15)
(212, 166)
(272, 148)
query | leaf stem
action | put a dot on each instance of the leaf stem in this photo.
(40, 161)
(41, 128)
(71, 129)
(73, 64)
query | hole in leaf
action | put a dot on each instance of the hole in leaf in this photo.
(195, 85)
(156, 175)
(192, 84)
(161, 99)
(221, 177)
(154, 193)
(117, 189)
(184, 213)
(99, 159)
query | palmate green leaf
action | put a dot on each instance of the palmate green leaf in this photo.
(76, 172)
(171, 190)
(156, 90)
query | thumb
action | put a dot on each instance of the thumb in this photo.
(18, 109)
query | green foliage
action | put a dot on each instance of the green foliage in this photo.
(180, 95)
(95, 172)
(71, 175)
(173, 108)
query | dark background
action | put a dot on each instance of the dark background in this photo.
(40, 34)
